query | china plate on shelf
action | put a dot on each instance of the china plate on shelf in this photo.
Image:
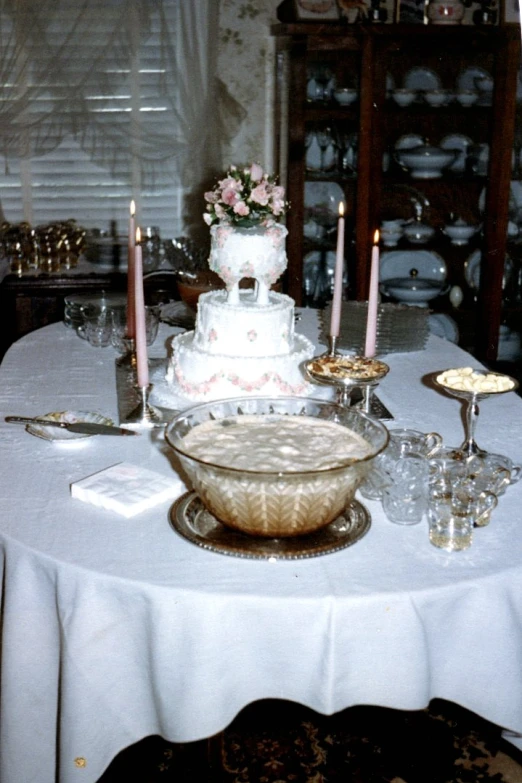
(443, 326)
(457, 141)
(420, 78)
(311, 269)
(322, 199)
(516, 190)
(472, 270)
(59, 434)
(399, 263)
(466, 78)
(515, 197)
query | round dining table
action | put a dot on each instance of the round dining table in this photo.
(114, 629)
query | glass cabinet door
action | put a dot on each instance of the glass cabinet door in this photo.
(412, 127)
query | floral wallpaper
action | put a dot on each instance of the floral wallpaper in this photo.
(246, 63)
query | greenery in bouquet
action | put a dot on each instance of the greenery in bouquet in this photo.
(246, 197)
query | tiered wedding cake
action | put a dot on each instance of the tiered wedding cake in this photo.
(244, 340)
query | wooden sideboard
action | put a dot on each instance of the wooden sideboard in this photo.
(32, 301)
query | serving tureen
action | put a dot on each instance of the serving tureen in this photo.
(425, 161)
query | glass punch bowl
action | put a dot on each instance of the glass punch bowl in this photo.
(280, 502)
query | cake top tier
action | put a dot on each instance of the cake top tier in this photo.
(257, 252)
(247, 241)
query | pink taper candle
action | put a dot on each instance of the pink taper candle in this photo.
(131, 321)
(142, 361)
(373, 300)
(335, 321)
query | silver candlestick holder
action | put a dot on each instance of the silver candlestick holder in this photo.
(128, 359)
(332, 345)
(144, 414)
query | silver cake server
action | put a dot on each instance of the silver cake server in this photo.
(83, 427)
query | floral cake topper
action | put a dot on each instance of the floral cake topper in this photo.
(245, 197)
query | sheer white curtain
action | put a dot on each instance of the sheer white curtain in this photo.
(102, 101)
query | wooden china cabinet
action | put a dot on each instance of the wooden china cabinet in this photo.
(375, 59)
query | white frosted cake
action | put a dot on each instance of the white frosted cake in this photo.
(244, 341)
(243, 348)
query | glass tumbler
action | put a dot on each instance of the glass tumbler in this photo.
(376, 480)
(405, 500)
(96, 328)
(152, 317)
(449, 532)
(119, 338)
(454, 510)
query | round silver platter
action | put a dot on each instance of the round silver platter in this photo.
(190, 519)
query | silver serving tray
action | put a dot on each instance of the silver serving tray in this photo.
(190, 519)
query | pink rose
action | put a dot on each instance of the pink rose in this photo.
(260, 195)
(211, 197)
(256, 172)
(230, 197)
(278, 192)
(230, 183)
(278, 206)
(220, 212)
(241, 208)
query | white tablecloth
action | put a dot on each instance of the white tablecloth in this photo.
(115, 629)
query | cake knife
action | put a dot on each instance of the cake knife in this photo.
(83, 427)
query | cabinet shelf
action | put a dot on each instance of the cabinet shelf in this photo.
(371, 57)
(331, 113)
(433, 183)
(329, 176)
(421, 109)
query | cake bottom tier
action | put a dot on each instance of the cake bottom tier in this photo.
(201, 376)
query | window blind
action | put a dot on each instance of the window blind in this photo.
(104, 101)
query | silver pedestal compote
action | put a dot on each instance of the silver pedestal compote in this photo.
(473, 386)
(347, 373)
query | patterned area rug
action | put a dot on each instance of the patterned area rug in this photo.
(280, 742)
